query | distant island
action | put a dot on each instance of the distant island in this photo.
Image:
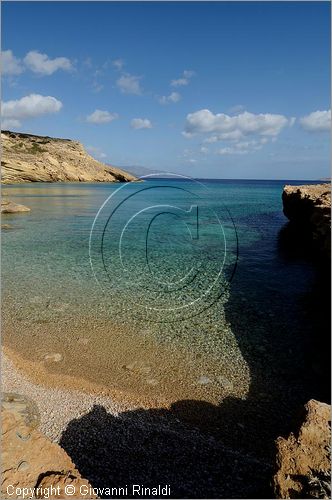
(34, 158)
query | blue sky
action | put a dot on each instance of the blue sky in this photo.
(207, 89)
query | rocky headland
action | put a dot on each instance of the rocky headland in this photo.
(308, 208)
(33, 158)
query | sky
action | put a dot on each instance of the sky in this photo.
(206, 89)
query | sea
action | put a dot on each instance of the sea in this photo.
(164, 290)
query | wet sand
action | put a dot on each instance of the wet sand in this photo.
(106, 358)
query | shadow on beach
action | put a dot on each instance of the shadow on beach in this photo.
(228, 450)
(158, 447)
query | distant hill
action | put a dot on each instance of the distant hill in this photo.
(34, 158)
(139, 171)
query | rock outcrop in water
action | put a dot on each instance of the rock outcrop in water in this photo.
(303, 460)
(9, 207)
(33, 158)
(30, 460)
(309, 208)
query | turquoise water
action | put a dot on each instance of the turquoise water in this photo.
(166, 287)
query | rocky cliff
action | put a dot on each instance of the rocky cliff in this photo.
(33, 158)
(309, 208)
(303, 460)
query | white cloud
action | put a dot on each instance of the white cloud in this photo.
(139, 123)
(317, 121)
(34, 61)
(96, 152)
(10, 65)
(243, 133)
(129, 84)
(184, 79)
(118, 64)
(29, 106)
(234, 135)
(243, 147)
(179, 82)
(43, 65)
(204, 121)
(10, 124)
(188, 73)
(227, 151)
(172, 97)
(99, 116)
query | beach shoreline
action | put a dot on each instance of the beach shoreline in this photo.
(57, 406)
(60, 392)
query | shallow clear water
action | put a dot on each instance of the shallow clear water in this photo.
(175, 290)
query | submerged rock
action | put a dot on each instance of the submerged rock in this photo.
(54, 357)
(204, 380)
(138, 367)
(303, 460)
(22, 407)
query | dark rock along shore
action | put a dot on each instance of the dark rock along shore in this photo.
(308, 208)
(303, 459)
